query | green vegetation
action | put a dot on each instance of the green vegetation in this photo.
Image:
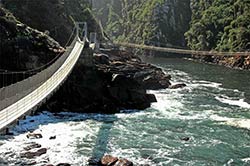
(147, 21)
(222, 25)
(134, 22)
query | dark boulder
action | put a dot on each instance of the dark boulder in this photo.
(123, 162)
(177, 86)
(63, 164)
(108, 160)
(33, 145)
(52, 137)
(101, 58)
(37, 153)
(185, 138)
(34, 135)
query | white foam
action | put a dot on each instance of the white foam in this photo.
(240, 102)
(236, 122)
(68, 135)
(246, 159)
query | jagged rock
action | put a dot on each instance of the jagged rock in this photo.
(101, 58)
(34, 135)
(108, 160)
(52, 137)
(31, 163)
(123, 162)
(63, 164)
(94, 162)
(37, 153)
(185, 138)
(32, 146)
(177, 86)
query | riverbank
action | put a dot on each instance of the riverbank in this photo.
(236, 62)
(116, 80)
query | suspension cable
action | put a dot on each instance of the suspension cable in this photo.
(36, 70)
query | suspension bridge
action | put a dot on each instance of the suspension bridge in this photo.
(20, 98)
(181, 51)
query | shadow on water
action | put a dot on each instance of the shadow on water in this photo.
(102, 139)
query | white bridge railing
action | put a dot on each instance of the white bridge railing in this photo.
(17, 99)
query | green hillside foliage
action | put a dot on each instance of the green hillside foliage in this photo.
(149, 21)
(222, 25)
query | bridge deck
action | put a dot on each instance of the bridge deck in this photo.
(13, 112)
(181, 51)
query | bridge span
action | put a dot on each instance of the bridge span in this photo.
(18, 99)
(180, 51)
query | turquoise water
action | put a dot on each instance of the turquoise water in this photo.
(212, 111)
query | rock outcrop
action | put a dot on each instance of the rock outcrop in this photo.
(119, 83)
(23, 48)
(109, 160)
(56, 17)
(239, 62)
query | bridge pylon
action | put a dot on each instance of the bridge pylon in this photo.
(83, 34)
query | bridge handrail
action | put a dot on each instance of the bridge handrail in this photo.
(181, 51)
(14, 92)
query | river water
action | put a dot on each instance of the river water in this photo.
(205, 123)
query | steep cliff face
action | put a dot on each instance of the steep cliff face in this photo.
(157, 22)
(54, 16)
(23, 48)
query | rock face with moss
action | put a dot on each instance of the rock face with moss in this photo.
(57, 17)
(24, 48)
(157, 22)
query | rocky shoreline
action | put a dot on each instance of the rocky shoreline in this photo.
(236, 62)
(117, 80)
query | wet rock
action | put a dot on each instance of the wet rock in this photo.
(34, 135)
(109, 88)
(185, 138)
(63, 164)
(177, 86)
(37, 153)
(52, 137)
(94, 162)
(31, 163)
(123, 162)
(101, 58)
(108, 160)
(33, 146)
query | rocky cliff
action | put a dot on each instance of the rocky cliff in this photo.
(56, 17)
(157, 22)
(23, 48)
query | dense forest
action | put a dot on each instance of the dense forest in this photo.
(223, 25)
(208, 25)
(157, 22)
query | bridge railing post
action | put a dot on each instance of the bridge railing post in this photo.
(85, 31)
(92, 37)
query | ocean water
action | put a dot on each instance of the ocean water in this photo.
(212, 112)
